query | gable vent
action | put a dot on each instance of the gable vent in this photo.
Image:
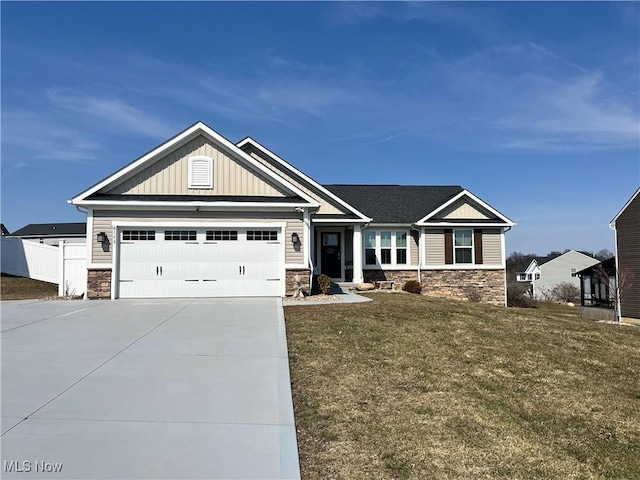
(200, 172)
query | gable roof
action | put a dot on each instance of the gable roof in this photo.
(395, 203)
(613, 222)
(5, 232)
(498, 218)
(301, 177)
(198, 128)
(549, 258)
(78, 229)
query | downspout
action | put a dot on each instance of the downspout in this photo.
(504, 243)
(420, 252)
(612, 226)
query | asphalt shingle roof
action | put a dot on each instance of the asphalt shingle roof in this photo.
(51, 230)
(395, 203)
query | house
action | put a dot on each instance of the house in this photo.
(201, 216)
(3, 229)
(52, 233)
(626, 225)
(597, 295)
(544, 273)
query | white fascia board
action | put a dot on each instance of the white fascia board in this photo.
(208, 206)
(470, 195)
(294, 170)
(462, 224)
(613, 222)
(198, 128)
(340, 220)
(199, 224)
(469, 266)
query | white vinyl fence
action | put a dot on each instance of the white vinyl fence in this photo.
(64, 265)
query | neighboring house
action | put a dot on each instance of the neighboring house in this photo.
(547, 272)
(626, 225)
(52, 233)
(201, 216)
(5, 232)
(597, 294)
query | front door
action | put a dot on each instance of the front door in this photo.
(330, 254)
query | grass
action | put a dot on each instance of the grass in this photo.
(21, 288)
(408, 386)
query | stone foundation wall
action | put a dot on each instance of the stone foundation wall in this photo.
(461, 284)
(290, 283)
(399, 277)
(99, 283)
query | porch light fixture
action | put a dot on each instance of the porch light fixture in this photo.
(295, 238)
(102, 237)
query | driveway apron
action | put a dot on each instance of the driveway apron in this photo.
(170, 388)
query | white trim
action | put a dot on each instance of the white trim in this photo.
(413, 268)
(463, 266)
(89, 235)
(297, 172)
(206, 224)
(356, 261)
(470, 195)
(296, 266)
(472, 246)
(612, 223)
(115, 259)
(211, 205)
(394, 249)
(306, 240)
(340, 220)
(100, 266)
(461, 224)
(190, 161)
(197, 129)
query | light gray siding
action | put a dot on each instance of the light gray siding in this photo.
(434, 246)
(559, 270)
(169, 175)
(103, 222)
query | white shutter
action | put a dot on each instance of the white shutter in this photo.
(200, 172)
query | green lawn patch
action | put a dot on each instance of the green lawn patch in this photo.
(409, 386)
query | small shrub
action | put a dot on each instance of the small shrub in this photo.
(474, 294)
(566, 292)
(518, 296)
(412, 286)
(323, 284)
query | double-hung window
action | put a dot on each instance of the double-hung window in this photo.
(386, 247)
(463, 246)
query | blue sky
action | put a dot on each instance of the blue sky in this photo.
(534, 107)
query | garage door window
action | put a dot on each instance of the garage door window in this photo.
(222, 235)
(264, 235)
(138, 235)
(179, 234)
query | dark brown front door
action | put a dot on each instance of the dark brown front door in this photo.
(330, 254)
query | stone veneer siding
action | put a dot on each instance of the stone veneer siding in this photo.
(457, 283)
(290, 283)
(99, 283)
(399, 277)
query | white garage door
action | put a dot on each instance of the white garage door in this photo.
(203, 262)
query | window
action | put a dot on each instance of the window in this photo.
(401, 248)
(573, 272)
(537, 276)
(179, 234)
(463, 246)
(370, 248)
(264, 235)
(222, 235)
(138, 235)
(200, 172)
(386, 247)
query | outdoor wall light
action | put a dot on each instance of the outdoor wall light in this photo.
(102, 237)
(295, 238)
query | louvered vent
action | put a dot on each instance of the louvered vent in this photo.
(200, 172)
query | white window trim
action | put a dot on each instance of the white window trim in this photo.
(473, 253)
(378, 251)
(190, 172)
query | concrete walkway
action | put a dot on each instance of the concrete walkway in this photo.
(339, 294)
(171, 388)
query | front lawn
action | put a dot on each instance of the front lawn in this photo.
(408, 386)
(21, 288)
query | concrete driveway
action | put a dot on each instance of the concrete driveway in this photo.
(172, 388)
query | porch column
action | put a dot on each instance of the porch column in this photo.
(306, 238)
(357, 254)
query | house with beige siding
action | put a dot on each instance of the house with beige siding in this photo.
(202, 216)
(626, 225)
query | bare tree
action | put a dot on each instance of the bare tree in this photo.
(618, 286)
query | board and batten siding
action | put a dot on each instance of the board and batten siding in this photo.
(492, 247)
(628, 250)
(102, 222)
(325, 206)
(169, 175)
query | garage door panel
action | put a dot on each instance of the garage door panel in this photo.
(233, 267)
